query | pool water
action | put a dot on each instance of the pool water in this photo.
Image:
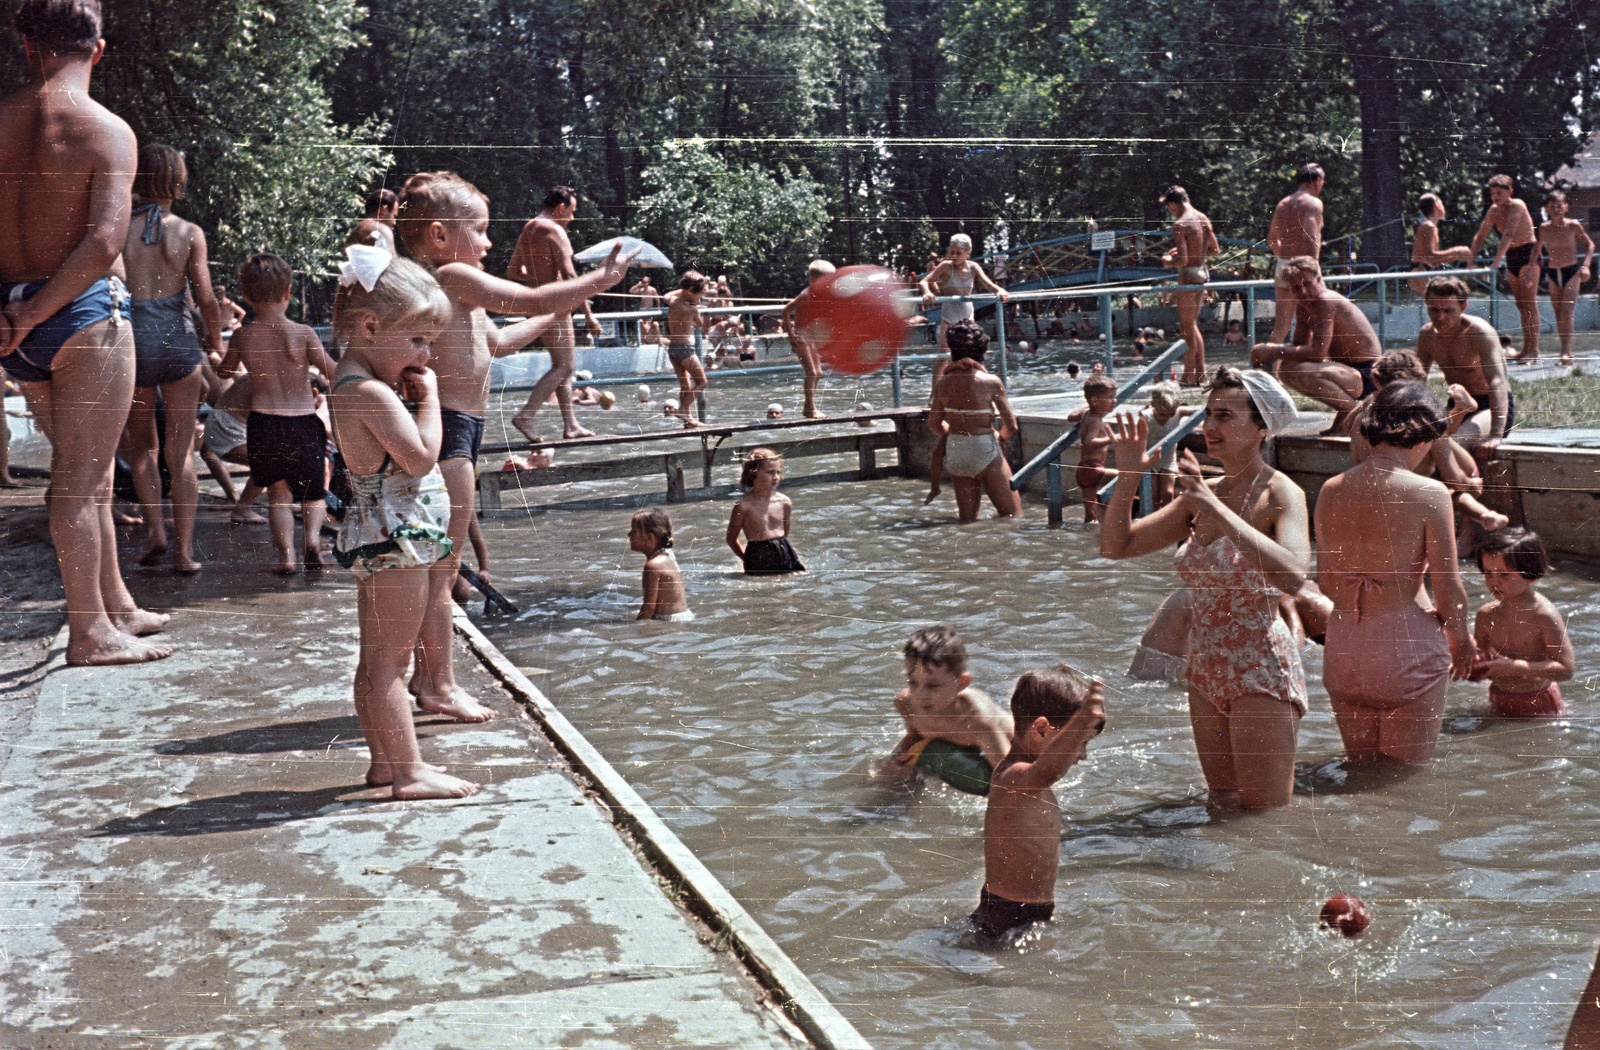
(752, 730)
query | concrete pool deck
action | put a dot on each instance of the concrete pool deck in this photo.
(192, 859)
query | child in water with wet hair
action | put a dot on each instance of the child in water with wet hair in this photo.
(664, 599)
(1523, 648)
(940, 708)
(762, 515)
(1056, 713)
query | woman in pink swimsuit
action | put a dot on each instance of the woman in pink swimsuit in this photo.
(1380, 528)
(1245, 544)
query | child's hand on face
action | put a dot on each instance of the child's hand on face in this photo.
(418, 384)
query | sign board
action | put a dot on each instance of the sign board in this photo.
(1102, 240)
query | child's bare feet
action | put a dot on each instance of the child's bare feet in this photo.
(577, 432)
(933, 494)
(1566, 359)
(182, 566)
(429, 783)
(457, 704)
(691, 423)
(380, 775)
(154, 553)
(111, 646)
(247, 517)
(313, 559)
(139, 622)
(287, 567)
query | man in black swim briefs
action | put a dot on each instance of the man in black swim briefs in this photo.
(1334, 347)
(64, 332)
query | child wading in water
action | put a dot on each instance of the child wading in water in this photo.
(651, 535)
(387, 313)
(938, 704)
(1057, 712)
(1523, 648)
(762, 514)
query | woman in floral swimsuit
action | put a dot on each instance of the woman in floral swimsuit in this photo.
(1245, 543)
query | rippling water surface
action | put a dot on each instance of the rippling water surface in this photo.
(751, 731)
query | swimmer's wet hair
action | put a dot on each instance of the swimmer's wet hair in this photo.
(692, 281)
(433, 196)
(1404, 414)
(1446, 288)
(1056, 693)
(1226, 377)
(938, 646)
(162, 173)
(655, 522)
(65, 27)
(752, 465)
(1398, 365)
(967, 341)
(1165, 395)
(265, 278)
(1308, 174)
(961, 240)
(1299, 266)
(1175, 195)
(405, 294)
(819, 268)
(1521, 548)
(1095, 385)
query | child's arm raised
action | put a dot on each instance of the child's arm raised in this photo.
(1063, 747)
(472, 286)
(504, 341)
(735, 525)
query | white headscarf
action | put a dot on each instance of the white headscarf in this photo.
(1271, 400)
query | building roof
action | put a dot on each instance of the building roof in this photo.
(1584, 171)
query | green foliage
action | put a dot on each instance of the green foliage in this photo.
(717, 217)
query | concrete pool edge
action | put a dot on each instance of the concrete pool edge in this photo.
(704, 894)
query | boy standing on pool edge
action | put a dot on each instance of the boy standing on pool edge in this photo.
(1057, 712)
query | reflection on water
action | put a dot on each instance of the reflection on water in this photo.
(752, 729)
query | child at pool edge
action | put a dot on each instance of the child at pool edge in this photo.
(938, 704)
(1056, 713)
(387, 313)
(1523, 648)
(1094, 436)
(650, 533)
(762, 514)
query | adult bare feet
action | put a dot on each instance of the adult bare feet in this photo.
(690, 423)
(427, 783)
(153, 554)
(457, 703)
(577, 432)
(524, 426)
(185, 566)
(1566, 359)
(1492, 520)
(933, 494)
(286, 567)
(110, 646)
(248, 517)
(139, 622)
(815, 414)
(314, 560)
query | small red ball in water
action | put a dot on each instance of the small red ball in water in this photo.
(1349, 915)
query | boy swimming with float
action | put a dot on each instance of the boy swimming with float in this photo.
(952, 731)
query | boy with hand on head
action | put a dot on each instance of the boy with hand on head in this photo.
(286, 441)
(683, 317)
(1057, 712)
(938, 704)
(443, 221)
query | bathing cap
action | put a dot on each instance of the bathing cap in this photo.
(1272, 401)
(583, 376)
(644, 394)
(607, 399)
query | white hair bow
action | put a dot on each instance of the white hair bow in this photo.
(364, 265)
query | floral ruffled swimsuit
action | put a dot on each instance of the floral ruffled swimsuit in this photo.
(392, 518)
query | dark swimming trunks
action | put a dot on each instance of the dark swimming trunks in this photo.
(463, 435)
(1368, 385)
(769, 557)
(165, 346)
(1518, 258)
(1091, 474)
(291, 449)
(678, 353)
(1560, 275)
(30, 362)
(997, 916)
(1511, 407)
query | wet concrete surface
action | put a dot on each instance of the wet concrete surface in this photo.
(192, 859)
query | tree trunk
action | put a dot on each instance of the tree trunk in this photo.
(1383, 239)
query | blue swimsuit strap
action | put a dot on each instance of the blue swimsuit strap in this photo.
(152, 222)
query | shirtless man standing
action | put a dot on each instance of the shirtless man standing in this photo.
(1467, 351)
(543, 255)
(1425, 251)
(1193, 243)
(1334, 345)
(65, 198)
(1296, 230)
(1519, 247)
(649, 299)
